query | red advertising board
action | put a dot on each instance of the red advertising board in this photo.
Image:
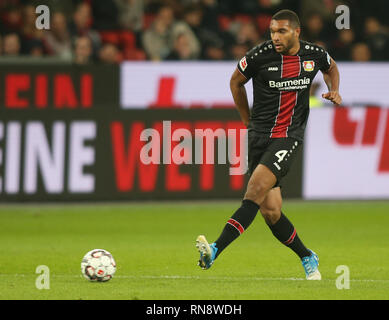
(347, 154)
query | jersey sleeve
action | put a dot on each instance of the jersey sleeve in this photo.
(246, 68)
(324, 60)
(246, 65)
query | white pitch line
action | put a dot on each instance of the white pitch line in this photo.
(240, 278)
(178, 277)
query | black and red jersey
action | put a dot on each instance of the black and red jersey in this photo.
(281, 86)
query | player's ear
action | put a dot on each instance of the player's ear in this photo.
(297, 31)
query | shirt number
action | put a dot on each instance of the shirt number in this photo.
(281, 155)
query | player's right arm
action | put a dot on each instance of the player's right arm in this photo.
(237, 82)
(246, 69)
(331, 78)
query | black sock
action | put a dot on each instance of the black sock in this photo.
(237, 224)
(285, 232)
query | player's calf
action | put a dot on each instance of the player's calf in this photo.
(286, 233)
(271, 215)
(237, 224)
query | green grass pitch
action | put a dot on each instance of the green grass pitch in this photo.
(154, 247)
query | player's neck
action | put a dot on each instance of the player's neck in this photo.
(293, 51)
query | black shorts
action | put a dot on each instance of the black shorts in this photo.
(275, 153)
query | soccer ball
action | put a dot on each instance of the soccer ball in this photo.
(98, 265)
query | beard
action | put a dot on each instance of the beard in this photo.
(287, 47)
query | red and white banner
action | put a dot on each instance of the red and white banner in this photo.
(346, 154)
(206, 84)
(172, 84)
(55, 161)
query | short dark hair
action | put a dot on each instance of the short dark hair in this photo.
(289, 15)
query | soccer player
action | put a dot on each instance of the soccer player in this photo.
(282, 70)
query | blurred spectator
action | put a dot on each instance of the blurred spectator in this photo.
(131, 14)
(377, 39)
(181, 27)
(81, 25)
(1, 45)
(193, 16)
(57, 39)
(343, 44)
(214, 51)
(203, 22)
(12, 19)
(239, 50)
(159, 39)
(375, 8)
(324, 8)
(29, 18)
(83, 50)
(31, 37)
(156, 39)
(267, 6)
(360, 52)
(248, 34)
(182, 49)
(36, 48)
(209, 14)
(313, 29)
(11, 46)
(105, 15)
(109, 54)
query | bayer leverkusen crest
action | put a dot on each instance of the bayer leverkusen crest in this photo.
(309, 65)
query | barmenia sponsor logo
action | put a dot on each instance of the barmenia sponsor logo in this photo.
(290, 84)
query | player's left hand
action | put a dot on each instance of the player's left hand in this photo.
(333, 96)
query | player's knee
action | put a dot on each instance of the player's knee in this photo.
(256, 192)
(271, 214)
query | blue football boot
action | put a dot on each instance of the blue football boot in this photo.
(207, 252)
(311, 264)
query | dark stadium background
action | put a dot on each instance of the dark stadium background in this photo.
(81, 69)
(75, 99)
